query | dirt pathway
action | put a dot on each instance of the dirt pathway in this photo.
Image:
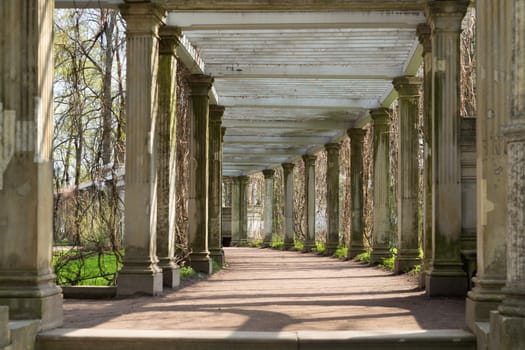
(268, 290)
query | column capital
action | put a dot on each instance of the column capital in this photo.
(356, 134)
(332, 147)
(200, 84)
(169, 40)
(216, 113)
(268, 173)
(424, 35)
(446, 15)
(288, 167)
(142, 18)
(243, 179)
(308, 159)
(407, 86)
(380, 116)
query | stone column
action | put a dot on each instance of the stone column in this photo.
(494, 54)
(408, 174)
(357, 247)
(288, 206)
(446, 276)
(309, 180)
(507, 325)
(382, 230)
(215, 185)
(140, 272)
(268, 207)
(424, 31)
(332, 197)
(243, 212)
(167, 157)
(200, 86)
(236, 211)
(27, 281)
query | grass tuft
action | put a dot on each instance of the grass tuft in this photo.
(363, 257)
(341, 253)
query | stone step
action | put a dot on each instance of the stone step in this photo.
(23, 334)
(120, 339)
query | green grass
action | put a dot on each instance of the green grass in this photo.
(298, 246)
(277, 244)
(319, 248)
(341, 253)
(256, 244)
(363, 257)
(388, 263)
(187, 271)
(92, 270)
(216, 266)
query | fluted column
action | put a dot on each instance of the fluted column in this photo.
(236, 211)
(243, 212)
(215, 186)
(140, 272)
(446, 276)
(357, 247)
(167, 157)
(288, 205)
(508, 323)
(494, 55)
(408, 174)
(309, 180)
(268, 207)
(200, 86)
(382, 230)
(424, 34)
(27, 281)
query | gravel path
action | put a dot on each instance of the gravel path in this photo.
(269, 290)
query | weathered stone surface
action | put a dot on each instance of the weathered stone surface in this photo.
(268, 206)
(243, 209)
(27, 281)
(235, 211)
(332, 197)
(288, 205)
(356, 174)
(309, 180)
(382, 230)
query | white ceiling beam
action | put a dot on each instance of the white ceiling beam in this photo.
(212, 20)
(328, 124)
(299, 71)
(284, 140)
(293, 102)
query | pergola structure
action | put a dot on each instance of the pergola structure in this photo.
(271, 82)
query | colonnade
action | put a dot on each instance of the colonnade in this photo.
(498, 298)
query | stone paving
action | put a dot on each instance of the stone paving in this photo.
(269, 290)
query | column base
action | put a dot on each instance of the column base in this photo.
(379, 254)
(447, 283)
(506, 332)
(329, 250)
(406, 260)
(136, 280)
(217, 255)
(485, 297)
(201, 262)
(288, 243)
(46, 307)
(355, 250)
(308, 246)
(243, 242)
(170, 274)
(267, 242)
(234, 243)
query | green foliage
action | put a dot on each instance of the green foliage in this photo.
(216, 266)
(298, 245)
(277, 244)
(388, 263)
(415, 271)
(363, 257)
(86, 268)
(187, 271)
(256, 244)
(341, 253)
(319, 248)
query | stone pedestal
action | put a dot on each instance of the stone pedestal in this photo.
(167, 156)
(356, 178)
(235, 212)
(27, 281)
(243, 212)
(268, 207)
(424, 34)
(332, 197)
(215, 185)
(140, 272)
(288, 206)
(446, 276)
(309, 180)
(494, 53)
(199, 259)
(408, 174)
(382, 230)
